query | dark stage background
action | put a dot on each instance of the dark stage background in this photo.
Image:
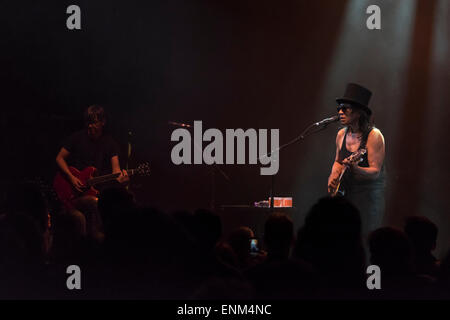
(232, 64)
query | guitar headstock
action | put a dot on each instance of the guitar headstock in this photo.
(357, 155)
(143, 169)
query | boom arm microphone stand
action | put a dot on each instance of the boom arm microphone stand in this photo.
(214, 168)
(313, 128)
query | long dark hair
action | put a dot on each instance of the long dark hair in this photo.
(365, 124)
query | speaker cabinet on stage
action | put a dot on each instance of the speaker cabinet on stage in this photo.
(233, 217)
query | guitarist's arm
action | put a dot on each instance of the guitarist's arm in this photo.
(375, 156)
(62, 164)
(337, 168)
(115, 164)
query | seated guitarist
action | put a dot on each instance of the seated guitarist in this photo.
(363, 182)
(86, 148)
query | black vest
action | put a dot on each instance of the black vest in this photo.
(349, 183)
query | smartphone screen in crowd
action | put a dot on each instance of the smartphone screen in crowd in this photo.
(254, 246)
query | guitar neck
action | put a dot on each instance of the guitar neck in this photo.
(339, 182)
(342, 173)
(108, 177)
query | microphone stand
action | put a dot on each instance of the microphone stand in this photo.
(213, 184)
(307, 132)
(212, 203)
(130, 137)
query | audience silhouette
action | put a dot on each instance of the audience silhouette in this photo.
(422, 234)
(391, 250)
(279, 277)
(146, 253)
(330, 240)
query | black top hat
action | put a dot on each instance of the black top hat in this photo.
(356, 95)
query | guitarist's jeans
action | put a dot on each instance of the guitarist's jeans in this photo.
(370, 202)
(86, 212)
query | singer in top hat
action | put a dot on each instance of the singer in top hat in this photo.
(363, 182)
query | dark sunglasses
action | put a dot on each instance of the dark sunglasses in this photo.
(343, 107)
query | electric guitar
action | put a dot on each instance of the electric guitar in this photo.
(355, 157)
(67, 193)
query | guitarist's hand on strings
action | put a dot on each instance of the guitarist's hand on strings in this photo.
(123, 178)
(351, 164)
(76, 183)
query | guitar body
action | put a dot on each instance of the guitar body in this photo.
(66, 192)
(355, 157)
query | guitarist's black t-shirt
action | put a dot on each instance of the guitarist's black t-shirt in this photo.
(85, 152)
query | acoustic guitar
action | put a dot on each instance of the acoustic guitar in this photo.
(355, 157)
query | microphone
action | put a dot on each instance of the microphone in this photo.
(327, 121)
(178, 124)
